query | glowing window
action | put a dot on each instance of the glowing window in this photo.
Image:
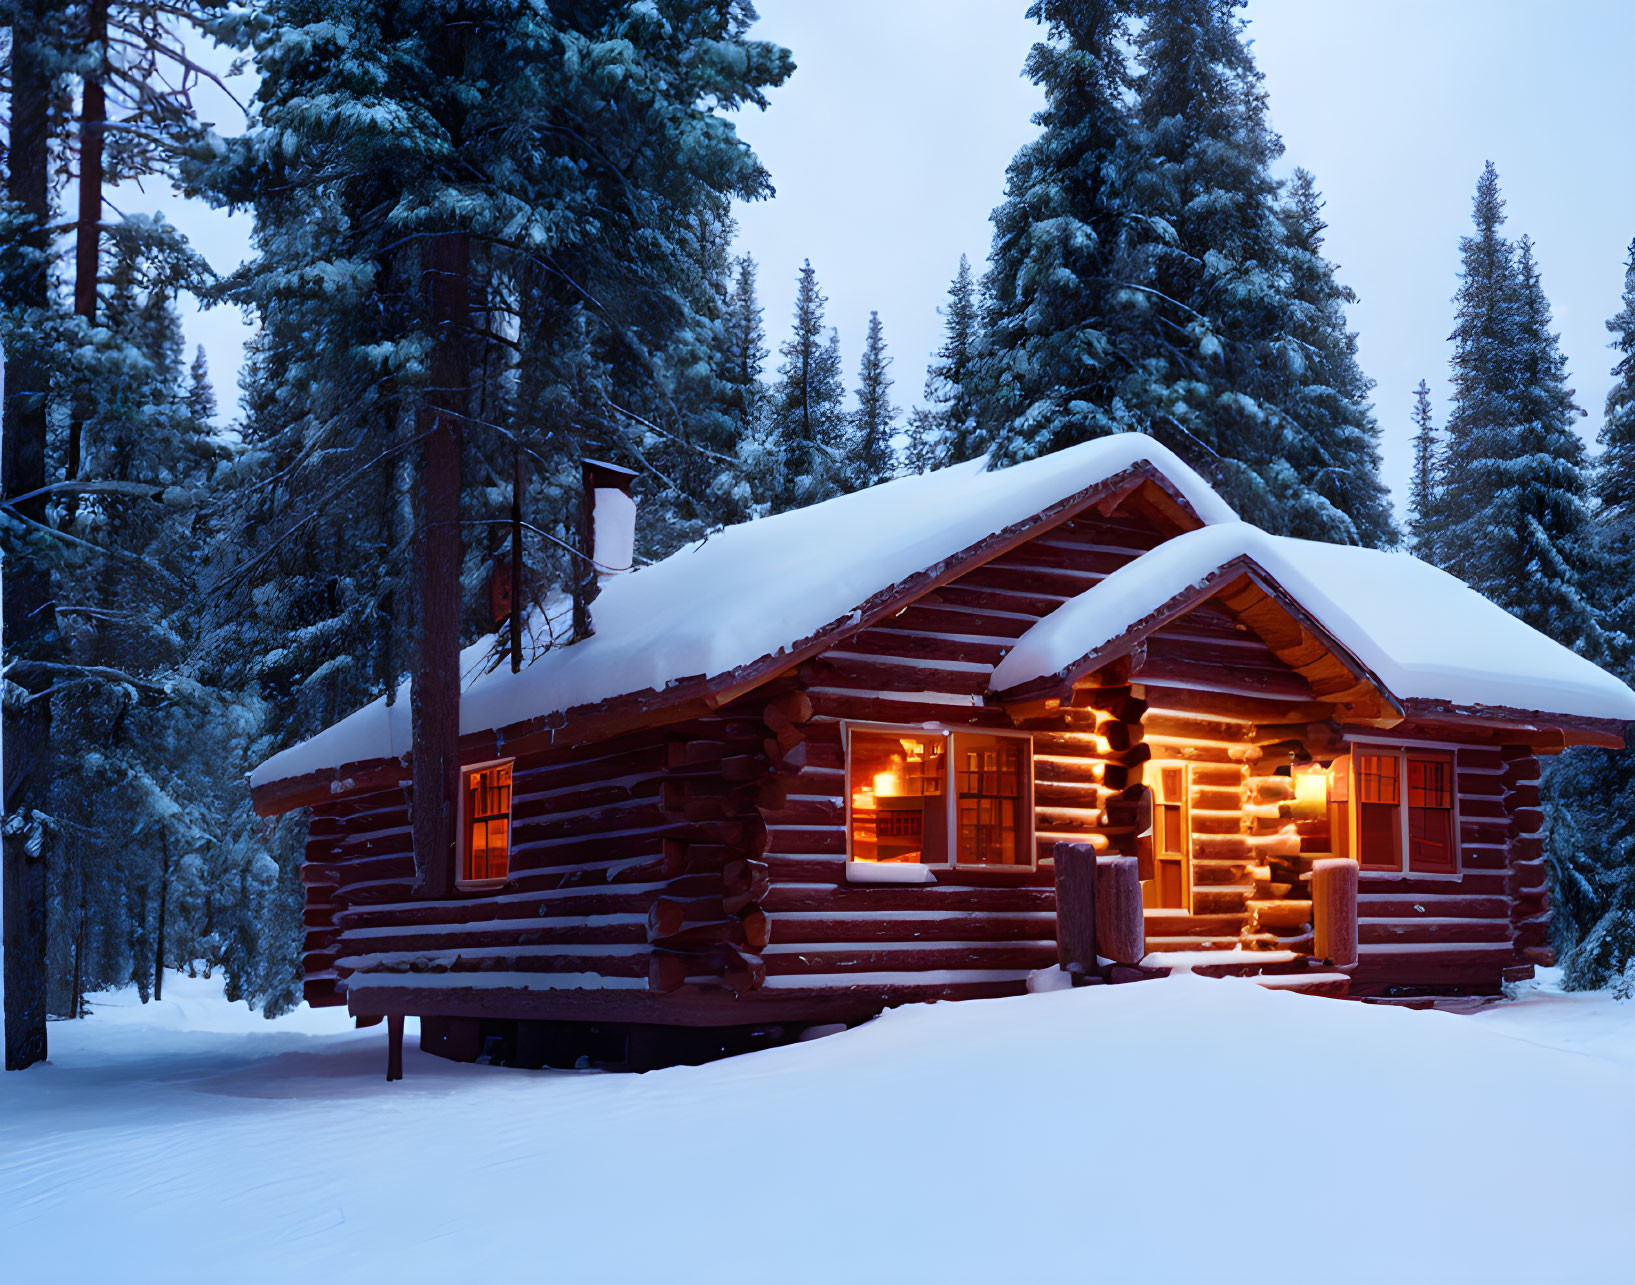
(991, 799)
(486, 812)
(897, 784)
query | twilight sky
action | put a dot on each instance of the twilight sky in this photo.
(888, 149)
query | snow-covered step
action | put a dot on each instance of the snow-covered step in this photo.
(1331, 985)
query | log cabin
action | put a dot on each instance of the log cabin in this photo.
(923, 740)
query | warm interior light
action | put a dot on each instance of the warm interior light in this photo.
(888, 784)
(1310, 794)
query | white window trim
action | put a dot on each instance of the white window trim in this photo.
(461, 856)
(950, 795)
(1376, 745)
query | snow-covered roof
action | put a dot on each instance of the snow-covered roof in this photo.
(1425, 634)
(758, 590)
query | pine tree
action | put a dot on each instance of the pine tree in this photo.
(945, 426)
(1326, 393)
(744, 351)
(201, 394)
(1591, 792)
(1424, 489)
(1145, 276)
(803, 458)
(874, 459)
(1054, 358)
(1521, 533)
(1615, 472)
(455, 287)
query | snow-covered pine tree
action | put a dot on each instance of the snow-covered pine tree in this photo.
(874, 459)
(1223, 338)
(944, 427)
(1144, 275)
(801, 457)
(1053, 360)
(478, 228)
(1335, 453)
(743, 353)
(1591, 794)
(201, 393)
(1521, 531)
(1425, 487)
(1615, 469)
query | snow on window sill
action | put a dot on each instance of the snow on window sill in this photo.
(888, 872)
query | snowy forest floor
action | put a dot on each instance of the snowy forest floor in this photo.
(1169, 1131)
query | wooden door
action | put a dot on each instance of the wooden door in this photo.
(1172, 836)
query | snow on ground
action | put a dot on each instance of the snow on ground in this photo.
(1179, 1130)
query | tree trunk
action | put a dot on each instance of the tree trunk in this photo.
(164, 899)
(88, 230)
(518, 481)
(436, 692)
(29, 618)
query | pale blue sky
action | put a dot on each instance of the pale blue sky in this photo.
(888, 148)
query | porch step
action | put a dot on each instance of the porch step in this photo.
(1274, 969)
(1177, 923)
(1165, 945)
(1273, 914)
(1331, 985)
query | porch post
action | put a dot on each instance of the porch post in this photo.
(1121, 928)
(1076, 908)
(1334, 910)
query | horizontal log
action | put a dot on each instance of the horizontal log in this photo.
(860, 957)
(786, 896)
(874, 709)
(1439, 906)
(953, 620)
(1372, 931)
(880, 675)
(909, 926)
(892, 642)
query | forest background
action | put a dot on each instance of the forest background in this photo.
(191, 585)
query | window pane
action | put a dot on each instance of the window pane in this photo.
(1431, 845)
(1377, 778)
(898, 797)
(488, 823)
(1379, 836)
(992, 799)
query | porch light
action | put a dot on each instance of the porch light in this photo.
(1310, 792)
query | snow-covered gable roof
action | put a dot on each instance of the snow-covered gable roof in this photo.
(760, 590)
(1425, 635)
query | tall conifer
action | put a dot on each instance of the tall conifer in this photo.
(1424, 488)
(945, 426)
(804, 456)
(873, 458)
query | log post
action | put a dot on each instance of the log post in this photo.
(394, 1046)
(1334, 910)
(1121, 930)
(1076, 908)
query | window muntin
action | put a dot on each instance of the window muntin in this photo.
(1404, 802)
(485, 810)
(939, 797)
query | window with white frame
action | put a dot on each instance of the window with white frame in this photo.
(939, 797)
